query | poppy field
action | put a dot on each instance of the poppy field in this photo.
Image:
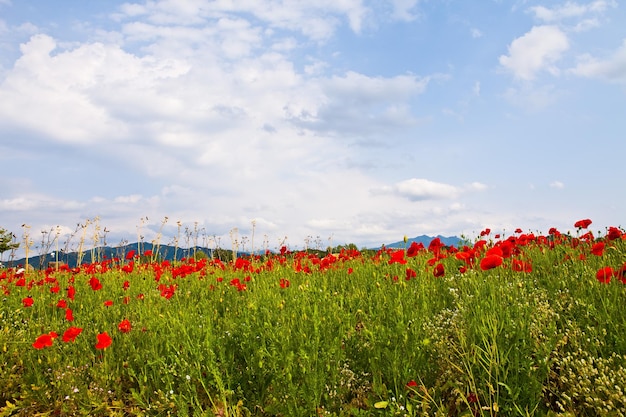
(528, 324)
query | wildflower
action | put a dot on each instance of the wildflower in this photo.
(435, 246)
(490, 262)
(28, 301)
(284, 283)
(414, 249)
(614, 233)
(582, 224)
(167, 291)
(604, 274)
(71, 333)
(439, 271)
(95, 284)
(69, 314)
(104, 340)
(411, 384)
(521, 266)
(108, 303)
(410, 273)
(62, 304)
(124, 326)
(45, 340)
(130, 255)
(71, 291)
(598, 249)
(397, 257)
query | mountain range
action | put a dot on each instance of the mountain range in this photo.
(170, 253)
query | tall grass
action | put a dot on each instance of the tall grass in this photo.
(349, 334)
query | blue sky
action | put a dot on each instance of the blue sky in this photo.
(322, 122)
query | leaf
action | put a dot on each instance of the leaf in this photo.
(381, 404)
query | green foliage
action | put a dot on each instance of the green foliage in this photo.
(7, 241)
(342, 334)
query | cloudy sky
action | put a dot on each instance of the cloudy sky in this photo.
(333, 121)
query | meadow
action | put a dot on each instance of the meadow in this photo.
(528, 324)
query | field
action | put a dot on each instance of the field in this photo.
(526, 324)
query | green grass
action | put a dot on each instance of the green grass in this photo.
(349, 336)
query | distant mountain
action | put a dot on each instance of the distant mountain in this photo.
(165, 252)
(425, 240)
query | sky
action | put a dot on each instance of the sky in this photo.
(310, 123)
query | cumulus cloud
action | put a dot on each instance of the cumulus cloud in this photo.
(537, 50)
(611, 69)
(356, 104)
(419, 189)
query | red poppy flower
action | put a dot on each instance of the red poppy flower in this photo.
(45, 340)
(28, 301)
(521, 266)
(410, 274)
(69, 314)
(71, 291)
(411, 384)
(95, 284)
(413, 249)
(167, 291)
(124, 326)
(604, 274)
(490, 262)
(125, 285)
(598, 249)
(104, 340)
(397, 257)
(614, 233)
(496, 250)
(130, 254)
(439, 271)
(284, 283)
(70, 334)
(518, 230)
(108, 303)
(582, 224)
(62, 303)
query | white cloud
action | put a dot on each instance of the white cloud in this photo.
(611, 69)
(532, 98)
(477, 186)
(536, 51)
(317, 20)
(476, 33)
(356, 104)
(557, 184)
(476, 88)
(570, 10)
(403, 9)
(418, 189)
